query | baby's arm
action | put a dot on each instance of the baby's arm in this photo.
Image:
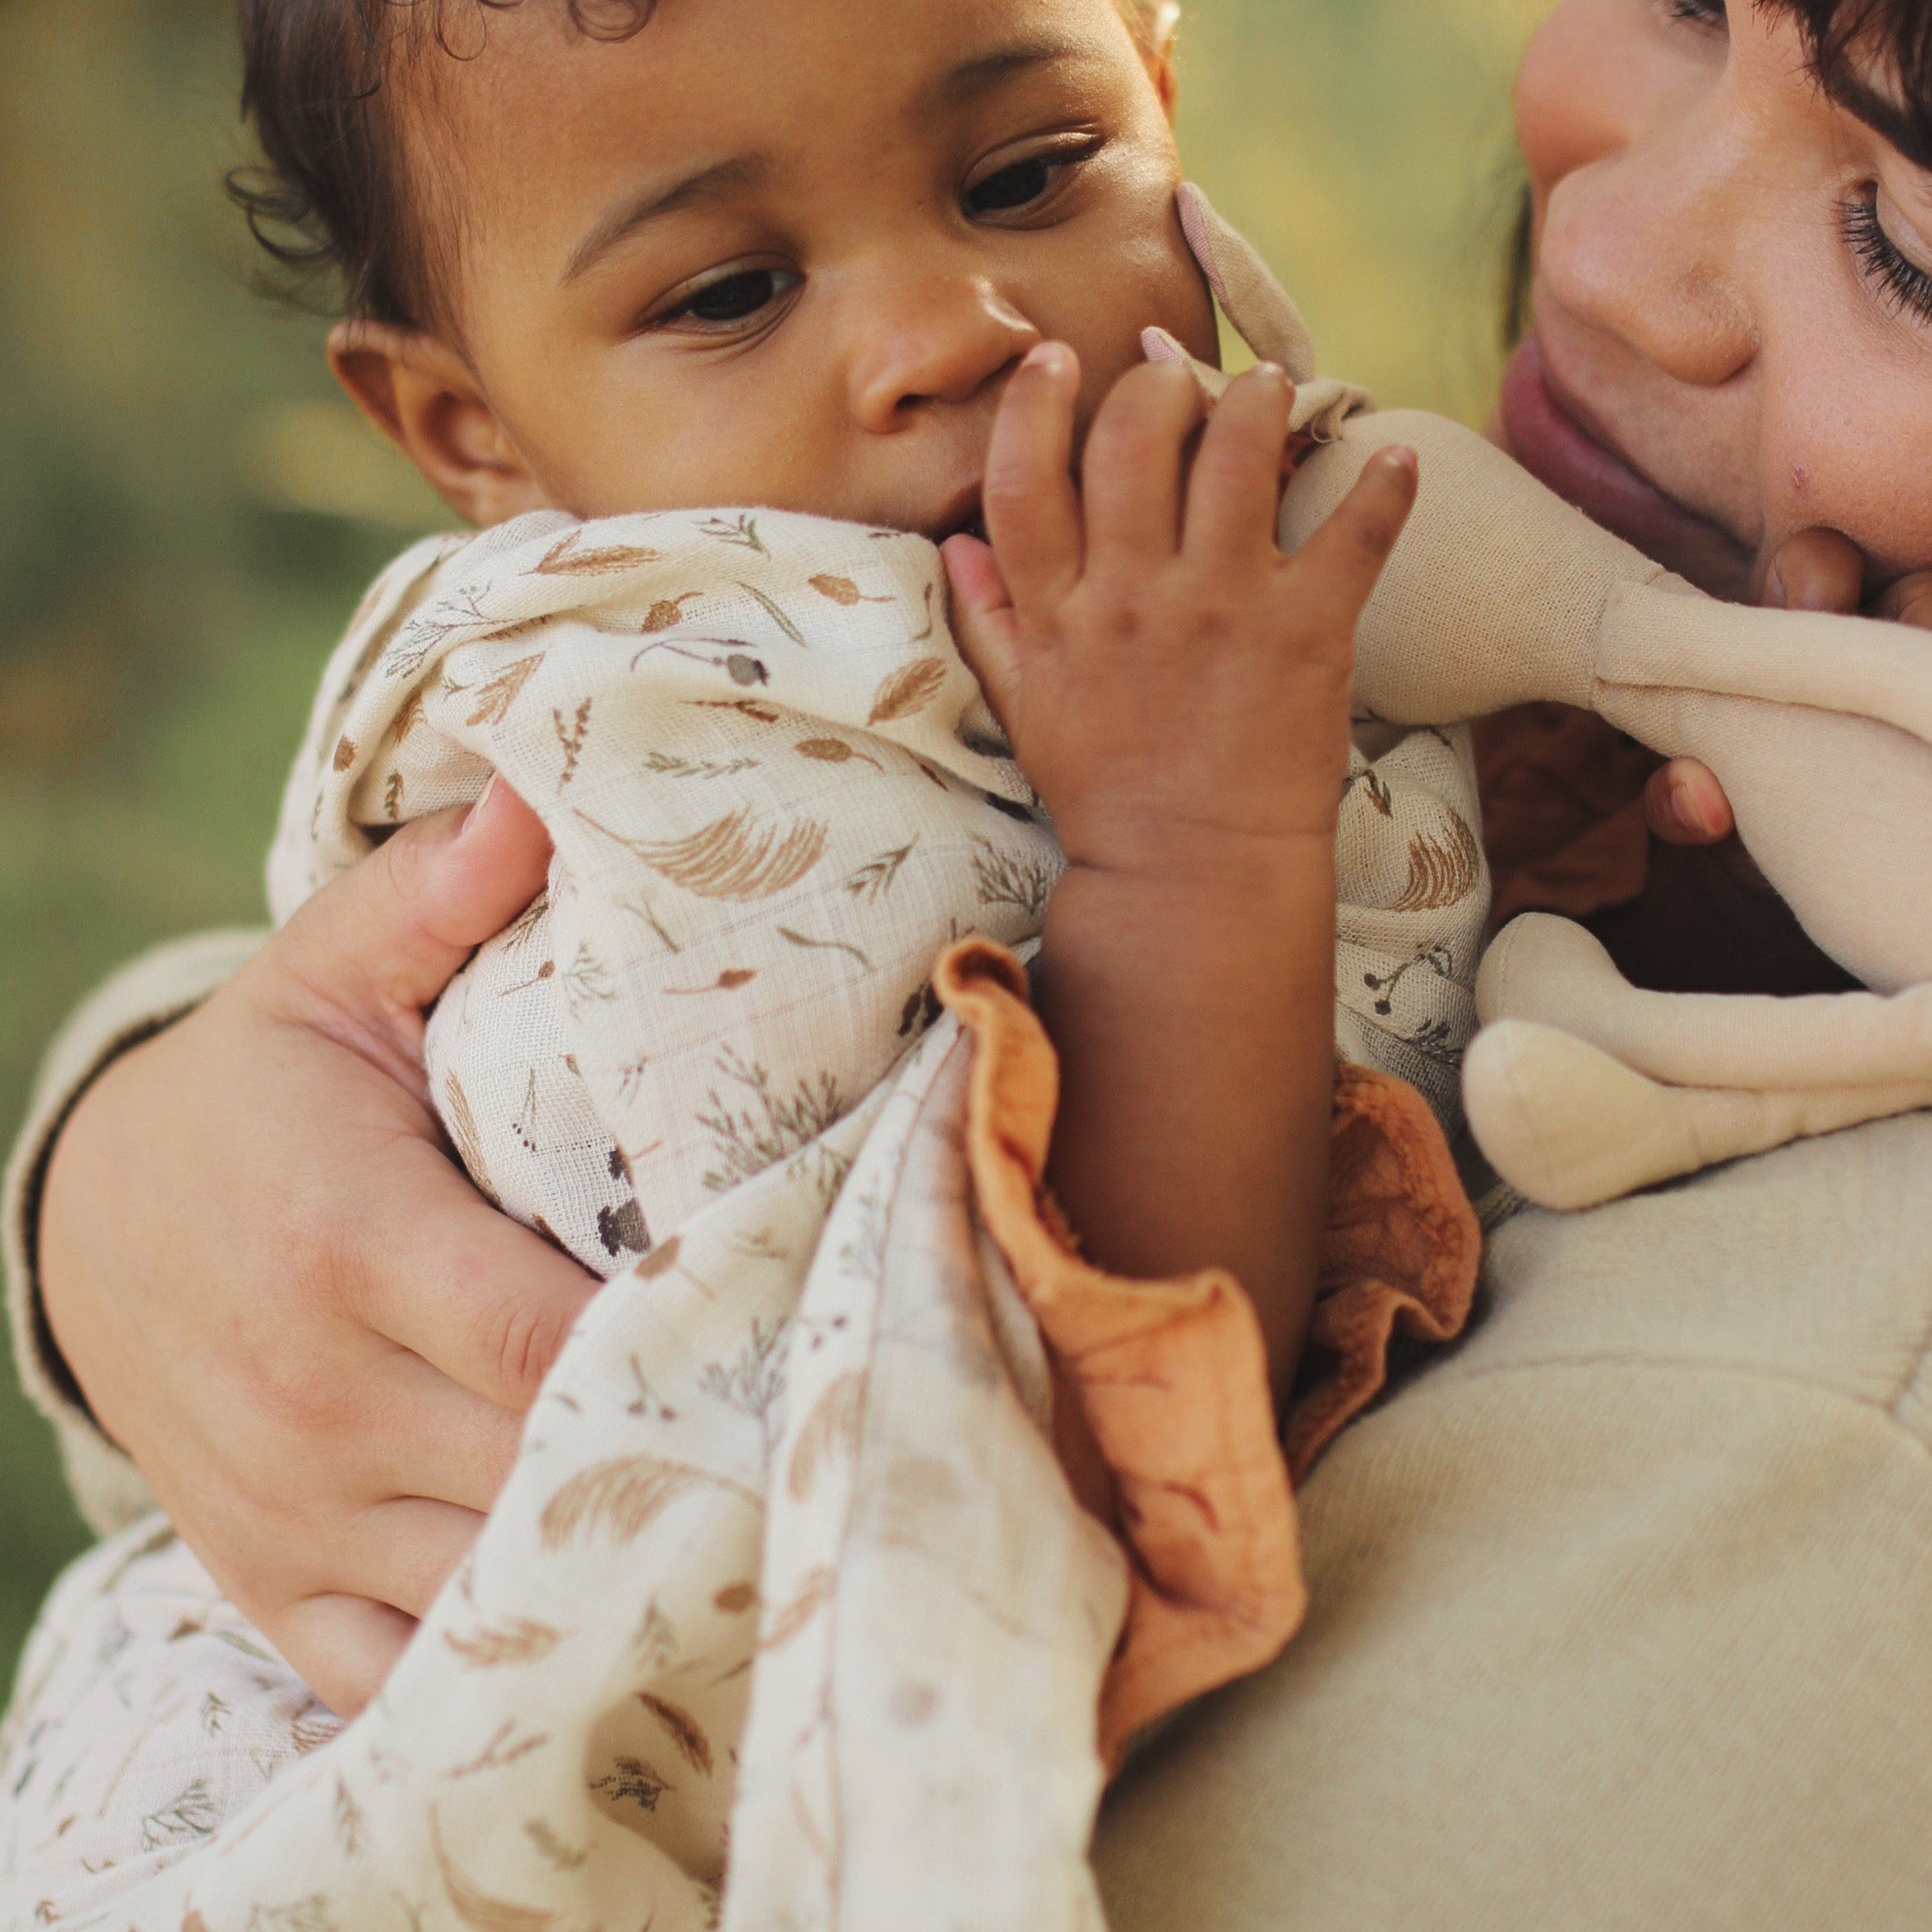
(1177, 691)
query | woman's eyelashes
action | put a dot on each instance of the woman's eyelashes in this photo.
(1903, 282)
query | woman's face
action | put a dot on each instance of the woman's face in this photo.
(1732, 299)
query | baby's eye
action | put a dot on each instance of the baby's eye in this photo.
(1702, 13)
(737, 296)
(1018, 186)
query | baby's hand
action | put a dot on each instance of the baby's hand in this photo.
(1175, 689)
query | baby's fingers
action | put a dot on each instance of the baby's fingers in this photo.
(1032, 514)
(984, 622)
(1336, 572)
(1132, 466)
(1234, 502)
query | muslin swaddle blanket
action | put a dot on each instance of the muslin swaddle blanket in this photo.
(789, 1560)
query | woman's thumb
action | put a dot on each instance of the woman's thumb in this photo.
(392, 932)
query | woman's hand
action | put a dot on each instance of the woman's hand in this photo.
(1818, 569)
(278, 1294)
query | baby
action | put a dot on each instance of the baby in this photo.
(790, 1550)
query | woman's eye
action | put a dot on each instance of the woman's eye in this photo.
(734, 298)
(1897, 277)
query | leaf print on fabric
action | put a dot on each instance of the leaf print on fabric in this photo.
(571, 737)
(516, 1643)
(843, 592)
(494, 699)
(769, 1126)
(189, 1814)
(813, 1595)
(668, 612)
(831, 1435)
(1004, 879)
(875, 879)
(660, 1260)
(624, 1497)
(568, 559)
(631, 1781)
(474, 1906)
(669, 764)
(1373, 783)
(734, 857)
(808, 945)
(909, 690)
(345, 754)
(775, 613)
(462, 1126)
(313, 1726)
(623, 1230)
(683, 1729)
(348, 1820)
(746, 708)
(833, 751)
(754, 1383)
(734, 1599)
(305, 1915)
(740, 532)
(1442, 870)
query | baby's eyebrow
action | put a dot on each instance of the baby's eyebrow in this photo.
(1886, 119)
(622, 221)
(962, 85)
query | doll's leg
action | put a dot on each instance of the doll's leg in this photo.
(1570, 1127)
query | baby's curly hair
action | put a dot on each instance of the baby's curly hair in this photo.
(332, 204)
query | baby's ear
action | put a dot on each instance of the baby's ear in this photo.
(1161, 32)
(423, 397)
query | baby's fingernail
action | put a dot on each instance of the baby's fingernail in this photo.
(1776, 596)
(1050, 356)
(1273, 371)
(1400, 458)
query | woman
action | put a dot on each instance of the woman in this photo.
(1616, 1610)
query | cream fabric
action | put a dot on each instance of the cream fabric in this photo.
(802, 1436)
(1619, 1612)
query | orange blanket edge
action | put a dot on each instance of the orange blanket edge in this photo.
(1172, 1376)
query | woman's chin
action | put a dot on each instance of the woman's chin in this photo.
(1555, 448)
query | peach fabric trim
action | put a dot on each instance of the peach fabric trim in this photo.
(1172, 1376)
(1403, 1251)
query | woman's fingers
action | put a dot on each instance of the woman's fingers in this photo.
(476, 1295)
(1234, 500)
(1908, 602)
(1817, 570)
(1133, 467)
(1031, 510)
(343, 1648)
(383, 940)
(1344, 559)
(405, 1550)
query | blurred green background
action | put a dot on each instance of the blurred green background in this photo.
(187, 515)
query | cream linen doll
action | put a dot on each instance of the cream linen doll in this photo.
(1581, 1089)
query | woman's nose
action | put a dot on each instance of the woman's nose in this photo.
(1644, 246)
(936, 338)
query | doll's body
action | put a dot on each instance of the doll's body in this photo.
(1580, 1088)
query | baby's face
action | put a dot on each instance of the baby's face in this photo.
(786, 252)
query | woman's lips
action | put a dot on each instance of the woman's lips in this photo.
(1548, 441)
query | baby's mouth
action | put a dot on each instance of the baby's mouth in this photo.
(964, 516)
